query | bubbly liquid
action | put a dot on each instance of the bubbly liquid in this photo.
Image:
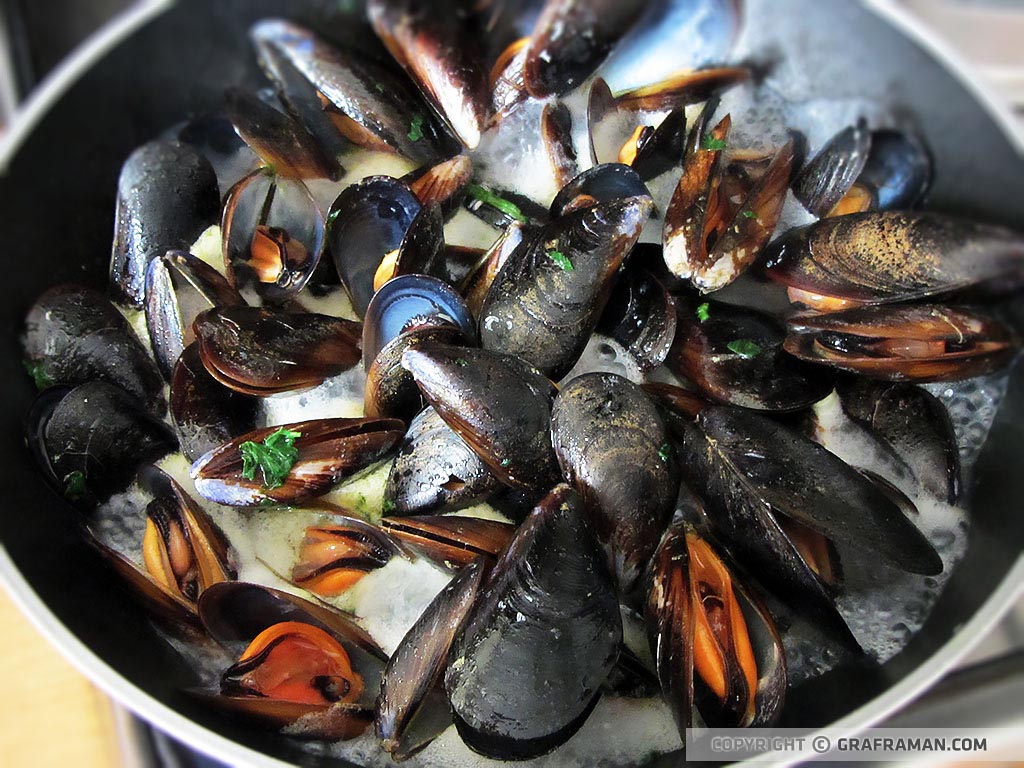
(884, 607)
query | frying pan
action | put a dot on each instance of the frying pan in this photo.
(157, 66)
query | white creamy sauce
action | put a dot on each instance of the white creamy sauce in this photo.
(884, 607)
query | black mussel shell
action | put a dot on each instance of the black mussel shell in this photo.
(548, 298)
(206, 414)
(368, 221)
(167, 196)
(734, 355)
(682, 89)
(435, 471)
(179, 286)
(215, 138)
(442, 184)
(478, 283)
(74, 335)
(541, 639)
(452, 541)
(423, 248)
(608, 183)
(93, 438)
(411, 708)
(391, 390)
(641, 315)
(613, 445)
(261, 352)
(273, 235)
(497, 403)
(663, 149)
(329, 451)
(899, 170)
(893, 256)
(556, 134)
(830, 174)
(439, 45)
(914, 423)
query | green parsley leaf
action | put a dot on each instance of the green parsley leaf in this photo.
(505, 462)
(744, 348)
(274, 457)
(387, 507)
(74, 486)
(487, 197)
(665, 453)
(561, 260)
(38, 373)
(416, 128)
(711, 144)
(749, 214)
(704, 312)
(460, 362)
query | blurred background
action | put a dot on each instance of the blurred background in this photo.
(35, 36)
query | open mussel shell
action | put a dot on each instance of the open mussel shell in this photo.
(261, 352)
(661, 148)
(892, 256)
(715, 645)
(540, 640)
(556, 135)
(411, 708)
(179, 286)
(439, 45)
(758, 478)
(899, 170)
(74, 335)
(279, 140)
(682, 89)
(205, 413)
(614, 447)
(422, 251)
(91, 440)
(608, 183)
(547, 300)
(441, 184)
(571, 39)
(329, 451)
(476, 285)
(641, 316)
(167, 195)
(498, 404)
(215, 138)
(507, 79)
(914, 423)
(335, 556)
(919, 342)
(830, 174)
(391, 390)
(273, 235)
(372, 106)
(436, 471)
(734, 355)
(368, 221)
(452, 541)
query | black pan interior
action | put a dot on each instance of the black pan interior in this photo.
(57, 202)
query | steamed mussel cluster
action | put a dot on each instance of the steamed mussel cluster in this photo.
(690, 496)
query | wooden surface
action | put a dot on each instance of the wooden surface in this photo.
(49, 714)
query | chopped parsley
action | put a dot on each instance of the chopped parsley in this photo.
(74, 486)
(461, 362)
(274, 457)
(387, 506)
(704, 312)
(749, 214)
(38, 373)
(711, 144)
(416, 128)
(665, 453)
(744, 348)
(505, 462)
(487, 197)
(561, 260)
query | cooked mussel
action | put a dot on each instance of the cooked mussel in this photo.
(914, 423)
(91, 440)
(709, 237)
(641, 316)
(167, 195)
(891, 256)
(556, 134)
(734, 355)
(540, 640)
(715, 644)
(898, 171)
(261, 352)
(441, 184)
(830, 175)
(608, 183)
(179, 286)
(613, 446)
(478, 283)
(682, 89)
(74, 335)
(919, 342)
(333, 557)
(775, 500)
(498, 404)
(439, 46)
(435, 470)
(547, 300)
(293, 463)
(451, 541)
(273, 235)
